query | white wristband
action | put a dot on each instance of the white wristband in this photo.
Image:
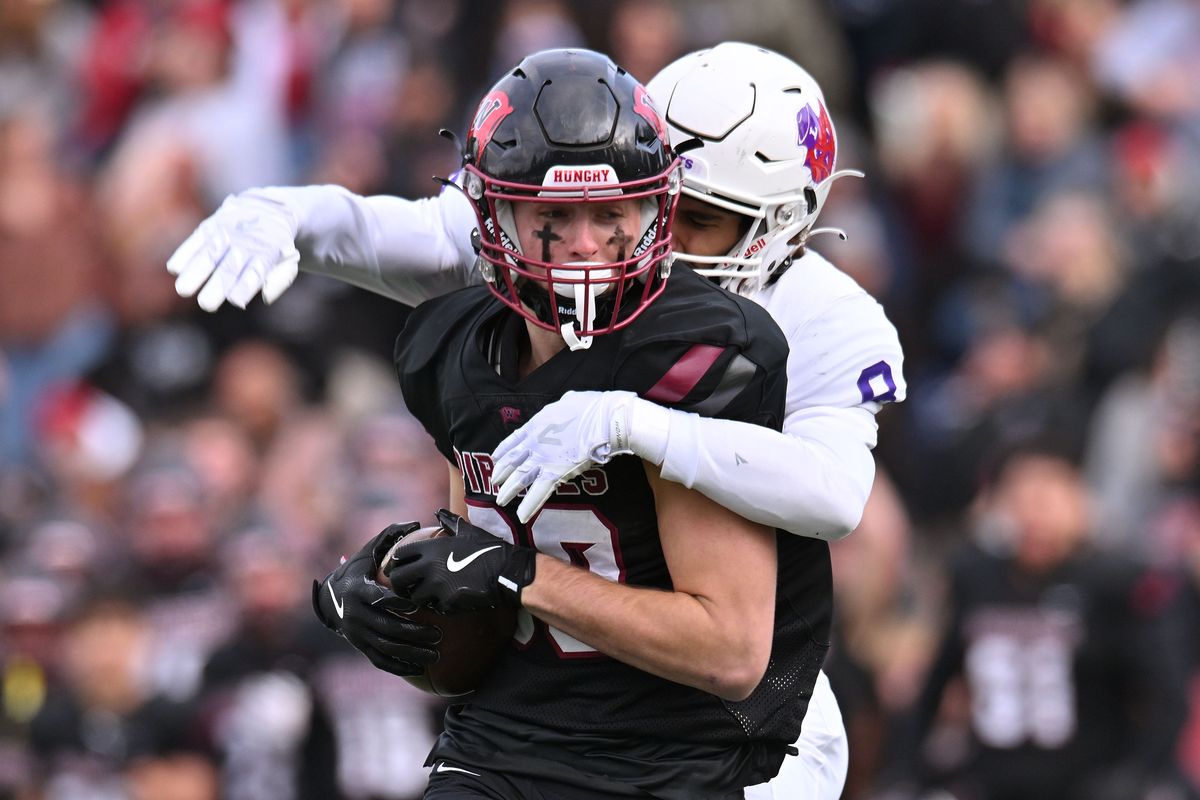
(648, 429)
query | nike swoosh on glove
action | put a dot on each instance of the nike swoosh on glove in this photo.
(466, 571)
(371, 617)
(579, 431)
(246, 246)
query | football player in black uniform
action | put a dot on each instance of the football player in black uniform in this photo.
(1070, 655)
(665, 647)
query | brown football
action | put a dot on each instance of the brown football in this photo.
(471, 642)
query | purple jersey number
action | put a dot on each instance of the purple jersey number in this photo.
(877, 384)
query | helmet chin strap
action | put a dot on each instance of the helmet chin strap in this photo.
(574, 342)
(583, 292)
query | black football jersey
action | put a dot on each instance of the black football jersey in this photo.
(1056, 665)
(554, 706)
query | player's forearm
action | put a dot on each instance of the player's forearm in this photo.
(675, 635)
(812, 481)
(408, 250)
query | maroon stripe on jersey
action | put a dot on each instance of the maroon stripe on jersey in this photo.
(685, 374)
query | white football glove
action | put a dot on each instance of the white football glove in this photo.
(570, 436)
(247, 246)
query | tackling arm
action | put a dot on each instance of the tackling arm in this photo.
(812, 480)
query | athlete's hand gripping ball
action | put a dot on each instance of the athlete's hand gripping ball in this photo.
(247, 246)
(350, 603)
(466, 571)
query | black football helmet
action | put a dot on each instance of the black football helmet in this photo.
(570, 126)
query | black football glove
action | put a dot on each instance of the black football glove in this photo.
(368, 615)
(466, 571)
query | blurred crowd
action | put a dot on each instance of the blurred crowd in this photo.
(171, 480)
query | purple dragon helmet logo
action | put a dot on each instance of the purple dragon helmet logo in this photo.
(815, 134)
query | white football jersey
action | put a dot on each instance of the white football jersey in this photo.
(844, 364)
(844, 351)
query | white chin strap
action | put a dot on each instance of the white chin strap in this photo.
(581, 292)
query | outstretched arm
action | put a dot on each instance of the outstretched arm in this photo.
(258, 240)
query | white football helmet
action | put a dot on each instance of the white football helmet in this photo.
(767, 149)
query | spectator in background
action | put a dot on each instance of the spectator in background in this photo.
(358, 91)
(258, 388)
(145, 192)
(1159, 197)
(52, 327)
(1051, 147)
(104, 727)
(644, 36)
(272, 738)
(527, 26)
(427, 101)
(223, 455)
(1066, 255)
(383, 727)
(87, 441)
(1156, 190)
(172, 545)
(32, 610)
(362, 77)
(1001, 388)
(1149, 56)
(1142, 444)
(936, 126)
(1073, 677)
(224, 120)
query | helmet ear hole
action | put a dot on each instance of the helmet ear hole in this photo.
(810, 198)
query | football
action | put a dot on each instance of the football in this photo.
(471, 642)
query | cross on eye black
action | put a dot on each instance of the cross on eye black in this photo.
(621, 239)
(547, 235)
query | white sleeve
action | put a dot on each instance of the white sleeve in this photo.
(408, 250)
(814, 478)
(811, 480)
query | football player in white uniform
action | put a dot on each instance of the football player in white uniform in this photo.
(759, 153)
